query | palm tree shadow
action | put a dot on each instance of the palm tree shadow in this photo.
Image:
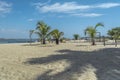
(82, 45)
(31, 44)
(39, 45)
(102, 64)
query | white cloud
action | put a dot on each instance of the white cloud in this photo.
(87, 14)
(5, 7)
(74, 8)
(66, 7)
(108, 5)
(41, 4)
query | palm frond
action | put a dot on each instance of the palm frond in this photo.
(91, 31)
(57, 34)
(99, 24)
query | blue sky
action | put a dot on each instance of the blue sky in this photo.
(17, 17)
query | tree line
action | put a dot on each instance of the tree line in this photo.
(44, 32)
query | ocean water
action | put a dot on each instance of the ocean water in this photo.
(8, 41)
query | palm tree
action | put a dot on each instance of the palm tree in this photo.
(91, 31)
(57, 35)
(76, 36)
(43, 31)
(30, 35)
(111, 32)
(115, 34)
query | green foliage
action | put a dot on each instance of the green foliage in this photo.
(114, 33)
(91, 31)
(43, 30)
(57, 34)
(99, 24)
(30, 33)
(76, 36)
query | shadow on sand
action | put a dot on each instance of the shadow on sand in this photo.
(39, 45)
(102, 64)
(31, 45)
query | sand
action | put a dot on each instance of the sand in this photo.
(67, 61)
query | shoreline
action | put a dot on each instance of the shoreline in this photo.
(69, 42)
(12, 43)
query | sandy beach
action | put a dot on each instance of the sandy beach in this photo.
(59, 39)
(67, 61)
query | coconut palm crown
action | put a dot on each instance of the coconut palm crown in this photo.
(57, 35)
(43, 31)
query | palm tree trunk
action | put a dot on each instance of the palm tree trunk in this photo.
(30, 40)
(104, 40)
(43, 42)
(93, 41)
(57, 41)
(115, 42)
(99, 37)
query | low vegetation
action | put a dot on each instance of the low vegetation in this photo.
(76, 36)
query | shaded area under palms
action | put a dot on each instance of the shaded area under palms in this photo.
(105, 61)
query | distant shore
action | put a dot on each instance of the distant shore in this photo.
(9, 41)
